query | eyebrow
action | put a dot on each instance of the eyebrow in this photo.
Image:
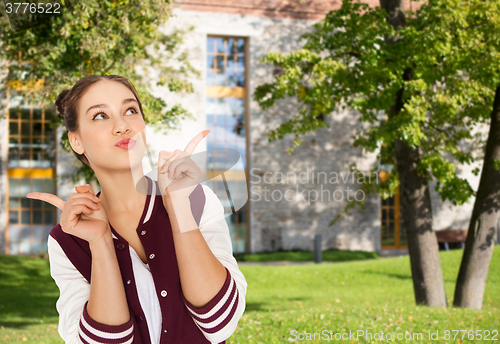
(101, 106)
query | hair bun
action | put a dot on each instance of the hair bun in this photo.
(61, 102)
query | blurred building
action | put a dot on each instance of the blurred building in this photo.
(290, 197)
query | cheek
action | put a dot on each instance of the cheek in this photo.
(142, 122)
(140, 138)
(141, 127)
(95, 140)
(140, 130)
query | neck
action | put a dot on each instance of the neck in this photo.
(119, 193)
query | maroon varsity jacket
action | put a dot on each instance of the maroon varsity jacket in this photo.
(178, 325)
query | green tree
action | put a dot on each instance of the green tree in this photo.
(461, 36)
(409, 66)
(98, 37)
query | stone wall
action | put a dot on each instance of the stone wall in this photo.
(292, 222)
(457, 217)
(291, 218)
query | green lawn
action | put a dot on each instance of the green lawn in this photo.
(372, 295)
(27, 301)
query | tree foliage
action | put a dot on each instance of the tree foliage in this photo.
(122, 37)
(346, 63)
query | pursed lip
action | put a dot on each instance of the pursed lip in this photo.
(125, 142)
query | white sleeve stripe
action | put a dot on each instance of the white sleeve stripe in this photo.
(221, 318)
(104, 335)
(151, 202)
(91, 341)
(219, 305)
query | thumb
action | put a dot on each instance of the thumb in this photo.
(84, 188)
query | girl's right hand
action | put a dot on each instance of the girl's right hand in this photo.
(81, 214)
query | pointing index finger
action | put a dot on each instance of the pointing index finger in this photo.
(191, 146)
(49, 198)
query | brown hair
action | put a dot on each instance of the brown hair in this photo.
(67, 102)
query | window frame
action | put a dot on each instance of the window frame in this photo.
(30, 173)
(213, 91)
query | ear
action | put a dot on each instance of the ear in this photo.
(75, 143)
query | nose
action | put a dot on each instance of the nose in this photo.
(121, 126)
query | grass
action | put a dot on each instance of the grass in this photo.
(27, 301)
(371, 295)
(305, 256)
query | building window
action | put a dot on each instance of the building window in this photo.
(30, 220)
(392, 226)
(31, 140)
(30, 168)
(226, 62)
(226, 119)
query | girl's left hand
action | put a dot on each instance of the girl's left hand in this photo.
(178, 174)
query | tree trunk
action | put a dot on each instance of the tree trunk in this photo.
(483, 224)
(426, 272)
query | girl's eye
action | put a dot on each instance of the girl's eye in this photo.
(98, 114)
(130, 108)
(133, 108)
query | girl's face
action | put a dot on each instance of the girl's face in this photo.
(109, 112)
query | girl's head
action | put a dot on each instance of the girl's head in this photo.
(98, 112)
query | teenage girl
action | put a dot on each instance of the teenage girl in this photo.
(146, 263)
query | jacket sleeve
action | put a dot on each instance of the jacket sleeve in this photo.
(75, 325)
(218, 319)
